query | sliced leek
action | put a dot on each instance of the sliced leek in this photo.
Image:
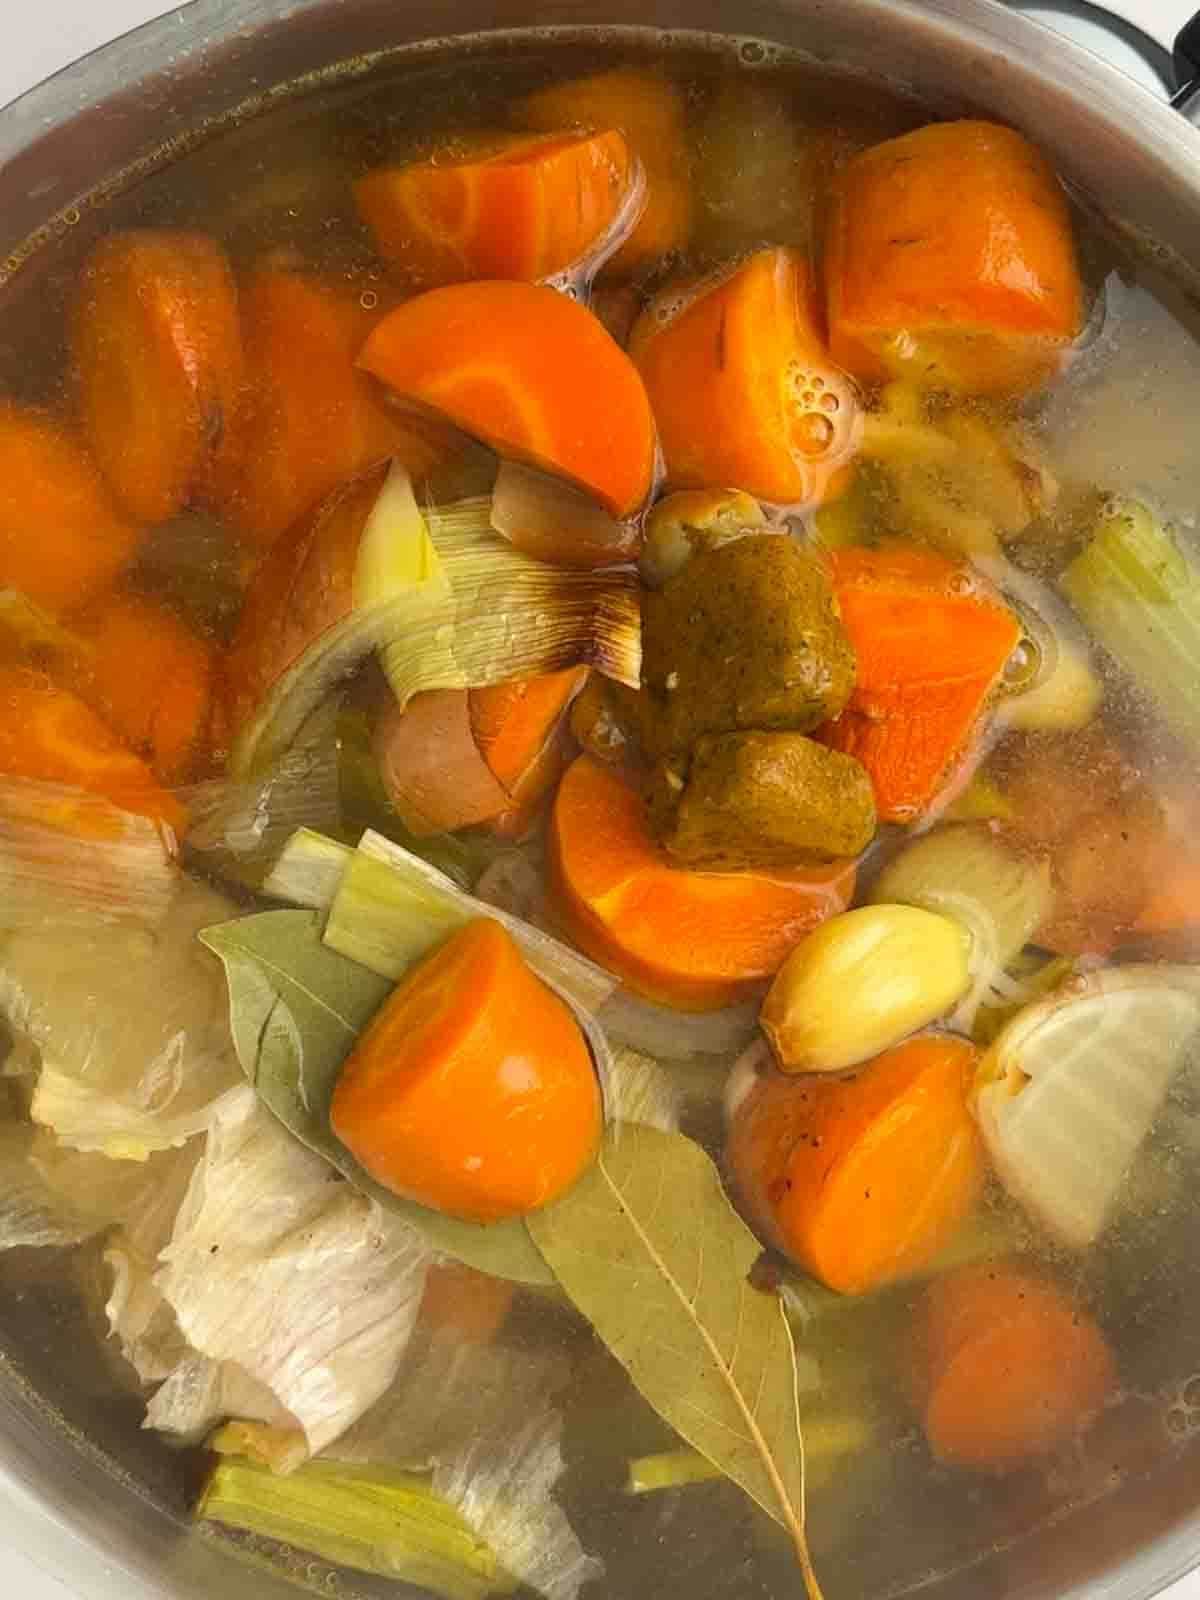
(448, 604)
(308, 870)
(1068, 1092)
(371, 1519)
(1138, 590)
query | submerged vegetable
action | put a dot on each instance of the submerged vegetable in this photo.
(741, 386)
(1067, 1094)
(682, 524)
(432, 769)
(531, 373)
(518, 207)
(469, 1048)
(931, 643)
(308, 420)
(50, 736)
(862, 1181)
(1005, 1367)
(860, 983)
(950, 260)
(49, 483)
(1137, 587)
(650, 110)
(974, 875)
(157, 335)
(695, 940)
(448, 606)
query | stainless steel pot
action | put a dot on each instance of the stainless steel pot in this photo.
(1133, 158)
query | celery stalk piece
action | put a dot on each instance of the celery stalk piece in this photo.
(392, 907)
(371, 1519)
(308, 870)
(828, 1440)
(1138, 589)
(1068, 1092)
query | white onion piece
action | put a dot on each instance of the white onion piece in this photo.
(1068, 1092)
(676, 1035)
(754, 1061)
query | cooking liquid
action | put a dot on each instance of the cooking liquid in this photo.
(888, 1518)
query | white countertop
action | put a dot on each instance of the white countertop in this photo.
(46, 35)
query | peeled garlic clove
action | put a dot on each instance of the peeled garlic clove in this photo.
(1068, 1091)
(860, 983)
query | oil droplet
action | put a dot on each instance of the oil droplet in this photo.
(368, 299)
(812, 433)
(71, 217)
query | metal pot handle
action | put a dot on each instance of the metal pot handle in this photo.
(1175, 26)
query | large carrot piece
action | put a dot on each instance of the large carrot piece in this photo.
(151, 677)
(651, 112)
(693, 940)
(531, 373)
(308, 420)
(63, 541)
(931, 643)
(50, 735)
(862, 1180)
(742, 389)
(473, 1091)
(950, 260)
(527, 209)
(158, 356)
(1005, 1367)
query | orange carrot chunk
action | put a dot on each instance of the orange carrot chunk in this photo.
(62, 539)
(473, 1091)
(471, 1306)
(50, 735)
(527, 208)
(519, 730)
(531, 373)
(931, 643)
(1005, 1367)
(861, 1181)
(158, 354)
(693, 940)
(308, 420)
(742, 390)
(151, 677)
(950, 261)
(651, 112)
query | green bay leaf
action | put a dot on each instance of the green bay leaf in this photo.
(649, 1249)
(296, 1008)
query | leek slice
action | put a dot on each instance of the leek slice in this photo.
(391, 908)
(308, 870)
(371, 1519)
(1069, 1090)
(1138, 590)
(448, 604)
(829, 1441)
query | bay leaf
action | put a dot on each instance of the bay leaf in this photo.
(296, 1008)
(649, 1249)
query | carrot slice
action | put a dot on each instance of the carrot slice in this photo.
(151, 677)
(651, 112)
(308, 420)
(526, 210)
(931, 643)
(158, 353)
(693, 940)
(50, 735)
(742, 390)
(471, 1306)
(531, 373)
(950, 261)
(473, 1091)
(862, 1180)
(1005, 1367)
(519, 730)
(62, 539)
